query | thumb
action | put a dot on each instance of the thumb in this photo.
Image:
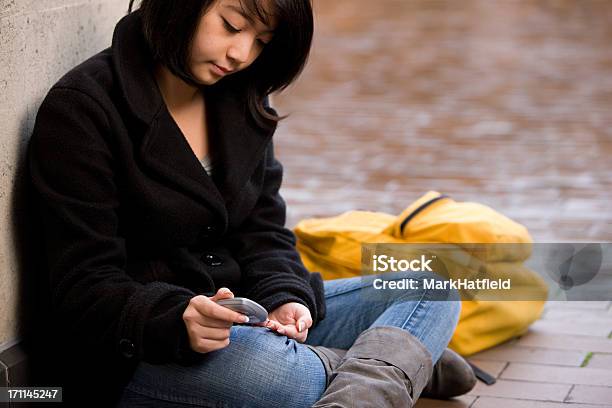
(222, 293)
(303, 323)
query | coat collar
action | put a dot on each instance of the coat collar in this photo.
(237, 143)
(133, 66)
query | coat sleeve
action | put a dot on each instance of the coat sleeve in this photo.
(73, 174)
(273, 273)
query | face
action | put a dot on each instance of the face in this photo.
(226, 41)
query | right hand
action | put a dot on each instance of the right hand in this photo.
(208, 324)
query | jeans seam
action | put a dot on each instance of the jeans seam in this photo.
(420, 305)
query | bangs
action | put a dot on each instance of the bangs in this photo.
(256, 9)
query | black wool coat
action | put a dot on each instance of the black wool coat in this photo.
(134, 227)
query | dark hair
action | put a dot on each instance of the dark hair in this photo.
(169, 27)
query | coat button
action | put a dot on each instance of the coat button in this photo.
(212, 260)
(127, 348)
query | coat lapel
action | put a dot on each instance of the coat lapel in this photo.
(165, 150)
(238, 145)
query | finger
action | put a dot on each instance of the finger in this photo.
(206, 345)
(211, 333)
(272, 324)
(216, 323)
(222, 293)
(205, 321)
(291, 332)
(266, 323)
(208, 308)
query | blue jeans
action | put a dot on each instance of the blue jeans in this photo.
(260, 368)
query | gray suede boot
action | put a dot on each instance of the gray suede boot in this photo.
(385, 367)
(330, 357)
(452, 376)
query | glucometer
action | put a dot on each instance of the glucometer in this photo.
(255, 311)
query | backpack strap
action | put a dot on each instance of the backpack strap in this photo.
(419, 209)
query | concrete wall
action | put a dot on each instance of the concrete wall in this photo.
(39, 41)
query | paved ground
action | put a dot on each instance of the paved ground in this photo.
(503, 102)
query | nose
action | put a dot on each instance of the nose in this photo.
(240, 49)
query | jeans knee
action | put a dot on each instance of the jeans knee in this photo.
(293, 374)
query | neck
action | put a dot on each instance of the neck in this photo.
(176, 92)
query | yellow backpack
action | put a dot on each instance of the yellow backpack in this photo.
(332, 246)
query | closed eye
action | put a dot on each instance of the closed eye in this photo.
(230, 27)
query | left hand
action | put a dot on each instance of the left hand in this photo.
(291, 319)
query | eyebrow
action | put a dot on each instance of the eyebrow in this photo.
(248, 17)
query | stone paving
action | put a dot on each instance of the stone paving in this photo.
(503, 102)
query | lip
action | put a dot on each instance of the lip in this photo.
(221, 70)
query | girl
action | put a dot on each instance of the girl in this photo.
(155, 176)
